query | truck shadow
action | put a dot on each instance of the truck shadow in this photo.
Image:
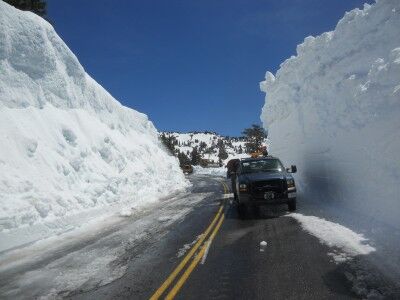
(256, 213)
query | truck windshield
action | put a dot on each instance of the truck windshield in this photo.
(262, 165)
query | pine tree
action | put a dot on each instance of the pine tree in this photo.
(202, 146)
(183, 159)
(255, 136)
(222, 155)
(195, 157)
(169, 142)
(240, 150)
(36, 6)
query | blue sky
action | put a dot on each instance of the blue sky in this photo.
(190, 65)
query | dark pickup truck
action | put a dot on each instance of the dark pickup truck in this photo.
(261, 181)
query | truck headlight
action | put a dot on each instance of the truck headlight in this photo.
(243, 187)
(290, 182)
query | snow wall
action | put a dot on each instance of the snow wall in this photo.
(334, 111)
(66, 145)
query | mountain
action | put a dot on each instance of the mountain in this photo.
(208, 144)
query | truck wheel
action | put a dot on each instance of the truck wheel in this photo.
(242, 209)
(256, 210)
(292, 205)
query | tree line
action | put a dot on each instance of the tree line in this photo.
(253, 136)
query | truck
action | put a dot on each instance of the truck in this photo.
(263, 181)
(187, 169)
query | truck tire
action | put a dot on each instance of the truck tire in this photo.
(256, 211)
(292, 205)
(242, 210)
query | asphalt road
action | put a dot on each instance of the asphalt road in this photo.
(207, 252)
(293, 265)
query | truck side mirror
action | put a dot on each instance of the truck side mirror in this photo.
(293, 169)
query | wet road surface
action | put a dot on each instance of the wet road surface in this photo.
(293, 265)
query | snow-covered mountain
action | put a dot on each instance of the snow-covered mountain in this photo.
(334, 110)
(69, 151)
(207, 145)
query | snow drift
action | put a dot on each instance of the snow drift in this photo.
(68, 147)
(334, 110)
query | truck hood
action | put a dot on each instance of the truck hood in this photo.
(263, 176)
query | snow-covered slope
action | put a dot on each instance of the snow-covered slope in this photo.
(334, 110)
(68, 148)
(234, 146)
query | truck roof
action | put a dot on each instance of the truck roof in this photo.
(258, 158)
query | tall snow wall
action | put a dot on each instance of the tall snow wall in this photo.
(334, 111)
(67, 147)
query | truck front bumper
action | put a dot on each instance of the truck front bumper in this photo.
(248, 199)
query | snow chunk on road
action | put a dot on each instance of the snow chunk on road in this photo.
(182, 251)
(335, 235)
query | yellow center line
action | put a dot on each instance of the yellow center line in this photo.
(182, 264)
(185, 260)
(195, 262)
(226, 188)
(223, 185)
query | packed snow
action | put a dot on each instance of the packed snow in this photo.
(334, 111)
(69, 151)
(335, 235)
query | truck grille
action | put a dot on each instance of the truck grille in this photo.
(260, 187)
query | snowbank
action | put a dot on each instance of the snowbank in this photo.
(68, 148)
(221, 172)
(334, 111)
(347, 242)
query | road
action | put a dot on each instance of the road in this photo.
(294, 264)
(201, 250)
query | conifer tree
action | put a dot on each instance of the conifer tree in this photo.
(36, 6)
(183, 159)
(195, 157)
(222, 155)
(255, 136)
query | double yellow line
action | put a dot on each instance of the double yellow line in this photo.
(218, 219)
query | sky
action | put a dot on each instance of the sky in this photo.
(190, 65)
